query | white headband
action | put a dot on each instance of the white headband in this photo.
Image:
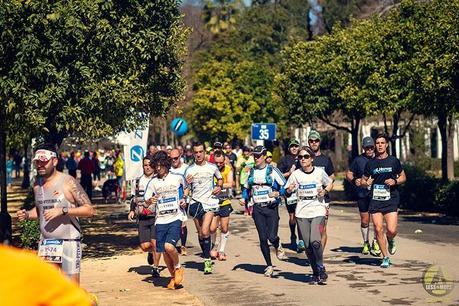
(44, 155)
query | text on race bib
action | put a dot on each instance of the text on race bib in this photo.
(167, 205)
(260, 194)
(51, 250)
(308, 191)
(381, 192)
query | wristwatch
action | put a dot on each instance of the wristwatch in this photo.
(65, 210)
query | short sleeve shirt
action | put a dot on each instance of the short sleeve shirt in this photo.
(324, 162)
(203, 180)
(358, 168)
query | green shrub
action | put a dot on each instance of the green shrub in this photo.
(418, 193)
(29, 229)
(447, 198)
(30, 234)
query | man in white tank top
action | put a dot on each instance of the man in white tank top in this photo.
(59, 202)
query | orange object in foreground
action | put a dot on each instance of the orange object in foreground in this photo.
(27, 280)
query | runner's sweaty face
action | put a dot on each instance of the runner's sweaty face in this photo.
(45, 168)
(199, 153)
(147, 167)
(381, 145)
(220, 162)
(175, 158)
(314, 144)
(294, 149)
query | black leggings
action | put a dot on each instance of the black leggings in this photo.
(267, 222)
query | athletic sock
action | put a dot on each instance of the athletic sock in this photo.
(223, 240)
(365, 233)
(177, 266)
(212, 240)
(206, 249)
(201, 244)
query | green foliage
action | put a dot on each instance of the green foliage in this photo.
(339, 12)
(88, 68)
(447, 198)
(220, 15)
(30, 234)
(418, 193)
(234, 78)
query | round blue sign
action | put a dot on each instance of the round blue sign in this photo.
(137, 153)
(179, 126)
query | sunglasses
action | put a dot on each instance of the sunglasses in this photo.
(175, 158)
(369, 148)
(306, 156)
(294, 146)
(257, 156)
(313, 140)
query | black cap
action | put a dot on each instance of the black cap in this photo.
(260, 150)
(218, 145)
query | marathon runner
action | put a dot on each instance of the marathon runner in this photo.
(354, 175)
(167, 192)
(307, 182)
(204, 202)
(179, 167)
(263, 188)
(222, 217)
(287, 165)
(59, 202)
(324, 162)
(244, 163)
(145, 216)
(383, 174)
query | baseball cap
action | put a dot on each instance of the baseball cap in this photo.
(218, 145)
(314, 135)
(259, 150)
(293, 142)
(169, 148)
(368, 142)
(269, 154)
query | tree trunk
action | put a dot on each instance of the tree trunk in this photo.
(5, 218)
(393, 138)
(442, 126)
(450, 148)
(26, 179)
(355, 138)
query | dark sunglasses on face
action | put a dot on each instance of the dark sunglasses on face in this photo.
(175, 158)
(306, 156)
(313, 140)
(369, 148)
(257, 156)
(294, 146)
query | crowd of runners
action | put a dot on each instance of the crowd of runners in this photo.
(175, 187)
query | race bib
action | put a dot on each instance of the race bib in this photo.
(307, 191)
(51, 250)
(260, 194)
(293, 199)
(210, 204)
(224, 194)
(381, 192)
(167, 205)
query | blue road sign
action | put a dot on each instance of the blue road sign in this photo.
(137, 153)
(263, 131)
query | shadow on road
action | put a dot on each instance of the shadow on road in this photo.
(258, 269)
(347, 249)
(362, 260)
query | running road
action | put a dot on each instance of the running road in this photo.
(354, 279)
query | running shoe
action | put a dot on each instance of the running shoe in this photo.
(392, 248)
(301, 247)
(183, 250)
(150, 258)
(155, 272)
(322, 276)
(221, 256)
(179, 275)
(366, 248)
(385, 262)
(314, 280)
(375, 249)
(171, 284)
(280, 253)
(207, 266)
(269, 271)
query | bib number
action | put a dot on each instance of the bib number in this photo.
(51, 250)
(261, 194)
(381, 192)
(168, 205)
(210, 204)
(307, 191)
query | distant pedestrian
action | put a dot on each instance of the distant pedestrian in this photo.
(86, 167)
(72, 165)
